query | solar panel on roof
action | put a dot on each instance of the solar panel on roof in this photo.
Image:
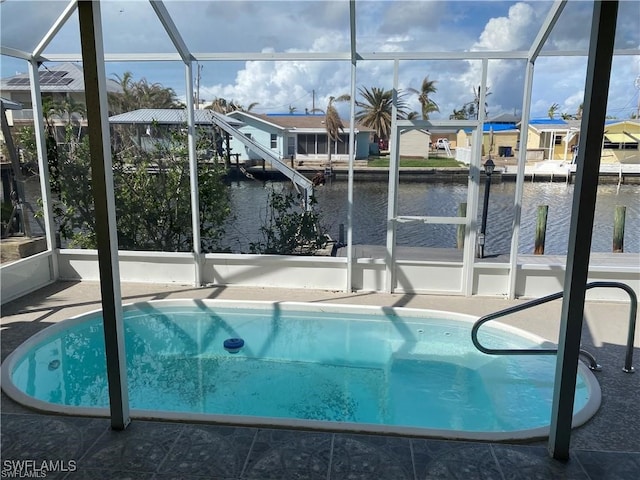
(55, 81)
(58, 77)
(18, 81)
(49, 76)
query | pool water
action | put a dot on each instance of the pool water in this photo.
(385, 369)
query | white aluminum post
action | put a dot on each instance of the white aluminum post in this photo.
(473, 191)
(522, 160)
(470, 240)
(392, 208)
(352, 148)
(193, 176)
(545, 29)
(55, 28)
(95, 82)
(43, 165)
(181, 46)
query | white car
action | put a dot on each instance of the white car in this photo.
(442, 144)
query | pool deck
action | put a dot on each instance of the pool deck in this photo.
(607, 447)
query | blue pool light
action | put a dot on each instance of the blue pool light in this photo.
(233, 345)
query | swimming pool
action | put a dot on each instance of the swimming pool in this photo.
(328, 366)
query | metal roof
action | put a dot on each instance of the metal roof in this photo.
(169, 116)
(310, 123)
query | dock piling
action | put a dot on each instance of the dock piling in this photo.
(541, 229)
(618, 228)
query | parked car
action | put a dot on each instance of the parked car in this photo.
(442, 144)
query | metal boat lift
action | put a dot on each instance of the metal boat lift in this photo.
(296, 177)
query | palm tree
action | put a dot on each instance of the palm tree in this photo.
(122, 101)
(237, 106)
(141, 94)
(461, 114)
(219, 105)
(333, 123)
(154, 95)
(74, 112)
(428, 105)
(376, 108)
(476, 102)
(223, 106)
(552, 110)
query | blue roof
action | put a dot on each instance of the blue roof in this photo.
(498, 127)
(547, 121)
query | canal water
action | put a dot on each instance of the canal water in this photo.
(249, 199)
(443, 199)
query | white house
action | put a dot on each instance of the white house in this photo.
(301, 136)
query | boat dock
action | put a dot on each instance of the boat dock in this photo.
(547, 171)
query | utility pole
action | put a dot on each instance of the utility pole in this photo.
(198, 71)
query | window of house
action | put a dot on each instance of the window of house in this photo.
(620, 146)
(321, 144)
(291, 146)
(305, 144)
(558, 139)
(343, 145)
(274, 140)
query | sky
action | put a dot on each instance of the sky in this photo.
(323, 26)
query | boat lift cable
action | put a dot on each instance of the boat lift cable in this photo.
(274, 159)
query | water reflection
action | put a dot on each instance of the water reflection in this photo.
(437, 199)
(443, 199)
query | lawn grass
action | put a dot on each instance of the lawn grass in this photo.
(432, 162)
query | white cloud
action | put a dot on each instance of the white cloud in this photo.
(382, 26)
(276, 85)
(508, 33)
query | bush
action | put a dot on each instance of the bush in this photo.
(152, 192)
(289, 228)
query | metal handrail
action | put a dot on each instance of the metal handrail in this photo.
(633, 310)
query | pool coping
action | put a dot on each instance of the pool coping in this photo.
(7, 385)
